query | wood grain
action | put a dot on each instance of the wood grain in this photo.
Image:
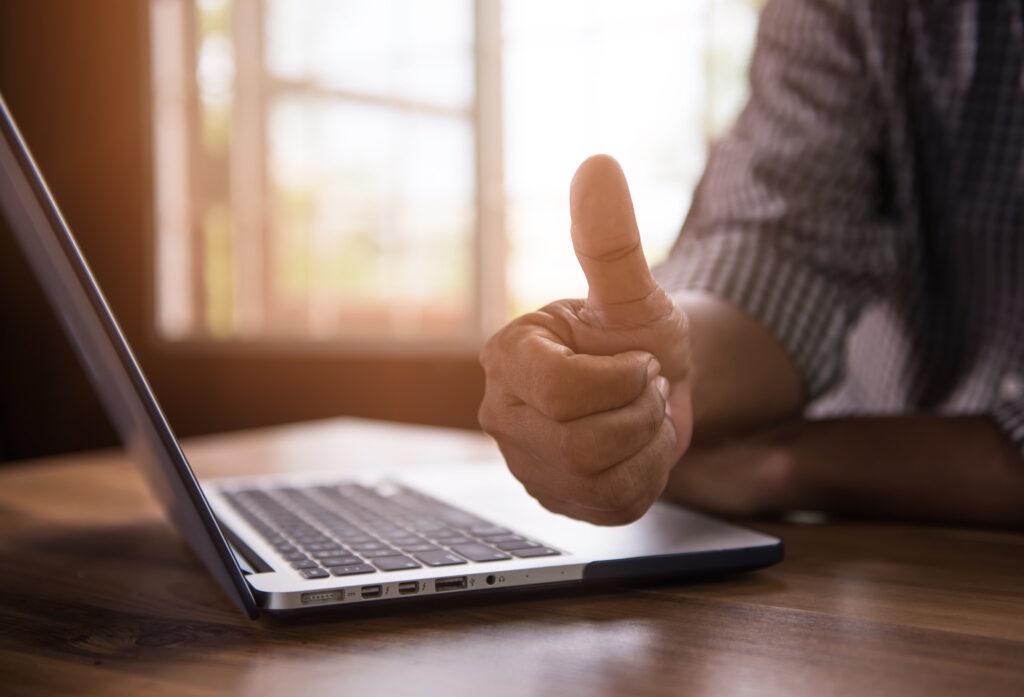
(99, 596)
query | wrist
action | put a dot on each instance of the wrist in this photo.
(782, 471)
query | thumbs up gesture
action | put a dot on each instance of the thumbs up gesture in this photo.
(589, 400)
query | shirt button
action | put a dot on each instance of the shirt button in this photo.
(1011, 387)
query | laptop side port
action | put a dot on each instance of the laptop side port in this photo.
(372, 591)
(452, 583)
(408, 587)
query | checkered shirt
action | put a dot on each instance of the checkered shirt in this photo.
(867, 206)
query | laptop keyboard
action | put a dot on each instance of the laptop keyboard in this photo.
(348, 529)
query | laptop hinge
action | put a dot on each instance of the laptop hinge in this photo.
(248, 561)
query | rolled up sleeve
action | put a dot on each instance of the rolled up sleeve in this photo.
(1009, 417)
(791, 220)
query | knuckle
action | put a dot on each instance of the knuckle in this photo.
(492, 349)
(568, 449)
(507, 340)
(555, 400)
(491, 414)
(666, 438)
(483, 357)
(576, 449)
(485, 416)
(653, 411)
(539, 317)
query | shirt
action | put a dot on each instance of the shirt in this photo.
(866, 206)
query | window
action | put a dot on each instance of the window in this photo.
(395, 173)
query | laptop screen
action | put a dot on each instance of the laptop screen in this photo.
(62, 273)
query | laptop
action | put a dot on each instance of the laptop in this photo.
(305, 543)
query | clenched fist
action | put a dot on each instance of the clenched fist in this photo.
(589, 400)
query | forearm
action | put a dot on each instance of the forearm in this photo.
(958, 469)
(921, 467)
(742, 377)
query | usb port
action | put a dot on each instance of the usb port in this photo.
(453, 583)
(408, 587)
(372, 591)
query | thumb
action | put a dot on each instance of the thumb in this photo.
(623, 294)
(605, 234)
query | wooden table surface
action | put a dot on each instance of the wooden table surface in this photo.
(98, 595)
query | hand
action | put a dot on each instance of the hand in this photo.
(924, 467)
(751, 474)
(577, 393)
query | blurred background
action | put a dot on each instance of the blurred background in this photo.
(309, 208)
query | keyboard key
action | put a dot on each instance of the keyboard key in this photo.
(345, 531)
(305, 564)
(517, 544)
(395, 563)
(373, 554)
(313, 573)
(308, 535)
(479, 552)
(488, 530)
(336, 551)
(459, 519)
(420, 547)
(294, 556)
(310, 542)
(352, 570)
(367, 546)
(446, 533)
(323, 546)
(456, 541)
(502, 538)
(439, 558)
(535, 552)
(340, 561)
(389, 530)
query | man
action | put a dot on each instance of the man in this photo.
(855, 251)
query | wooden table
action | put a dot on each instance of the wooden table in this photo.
(98, 595)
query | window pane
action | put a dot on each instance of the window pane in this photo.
(371, 218)
(636, 80)
(316, 160)
(405, 49)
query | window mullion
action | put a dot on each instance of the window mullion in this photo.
(247, 187)
(490, 232)
(197, 193)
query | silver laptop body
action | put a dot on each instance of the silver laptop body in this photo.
(303, 542)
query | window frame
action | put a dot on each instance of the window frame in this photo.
(246, 186)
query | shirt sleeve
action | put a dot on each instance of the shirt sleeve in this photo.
(1009, 417)
(790, 220)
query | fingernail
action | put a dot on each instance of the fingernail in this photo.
(663, 385)
(653, 368)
